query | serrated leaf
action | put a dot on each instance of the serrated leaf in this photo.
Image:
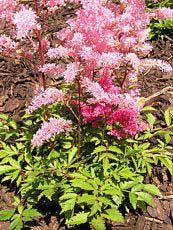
(152, 189)
(151, 119)
(133, 199)
(168, 117)
(105, 201)
(115, 149)
(114, 215)
(99, 149)
(167, 163)
(143, 196)
(53, 154)
(79, 218)
(30, 214)
(126, 173)
(167, 138)
(16, 224)
(72, 152)
(137, 188)
(67, 196)
(86, 198)
(6, 214)
(127, 184)
(82, 184)
(5, 169)
(68, 205)
(98, 223)
(106, 165)
(95, 208)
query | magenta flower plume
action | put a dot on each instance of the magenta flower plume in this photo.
(45, 97)
(125, 122)
(49, 128)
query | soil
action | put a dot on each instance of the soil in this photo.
(17, 82)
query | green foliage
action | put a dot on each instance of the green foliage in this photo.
(160, 28)
(90, 187)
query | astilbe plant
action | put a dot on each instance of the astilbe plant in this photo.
(100, 55)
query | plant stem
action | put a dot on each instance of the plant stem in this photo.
(79, 115)
(40, 48)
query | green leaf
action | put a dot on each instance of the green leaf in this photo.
(5, 169)
(79, 183)
(67, 196)
(98, 223)
(105, 201)
(168, 117)
(127, 184)
(86, 198)
(151, 119)
(79, 218)
(152, 189)
(95, 208)
(142, 196)
(167, 138)
(68, 205)
(106, 165)
(133, 199)
(53, 154)
(16, 224)
(99, 149)
(137, 188)
(126, 173)
(148, 108)
(72, 152)
(114, 215)
(167, 163)
(115, 149)
(29, 214)
(6, 214)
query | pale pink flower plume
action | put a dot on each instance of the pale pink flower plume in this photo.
(155, 63)
(7, 44)
(51, 68)
(58, 52)
(45, 97)
(50, 128)
(71, 72)
(6, 9)
(164, 13)
(25, 21)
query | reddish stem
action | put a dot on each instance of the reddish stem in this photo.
(41, 54)
(79, 115)
(40, 48)
(125, 76)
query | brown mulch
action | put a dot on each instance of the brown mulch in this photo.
(17, 82)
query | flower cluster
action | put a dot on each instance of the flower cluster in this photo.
(6, 8)
(45, 97)
(7, 45)
(50, 128)
(25, 21)
(101, 53)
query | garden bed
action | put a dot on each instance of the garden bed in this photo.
(17, 85)
(18, 81)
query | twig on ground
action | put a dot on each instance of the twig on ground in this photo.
(154, 220)
(167, 197)
(162, 91)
